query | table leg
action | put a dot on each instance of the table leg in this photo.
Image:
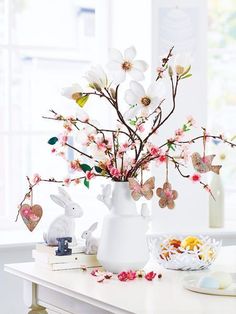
(35, 308)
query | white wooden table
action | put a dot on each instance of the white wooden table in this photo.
(78, 292)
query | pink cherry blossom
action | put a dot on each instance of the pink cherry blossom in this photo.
(67, 126)
(75, 165)
(140, 128)
(89, 175)
(53, 150)
(67, 181)
(76, 181)
(154, 150)
(63, 138)
(195, 177)
(94, 272)
(115, 172)
(100, 279)
(191, 121)
(36, 178)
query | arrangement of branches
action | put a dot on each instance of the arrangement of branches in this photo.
(126, 150)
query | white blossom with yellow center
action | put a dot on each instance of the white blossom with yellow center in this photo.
(120, 65)
(141, 100)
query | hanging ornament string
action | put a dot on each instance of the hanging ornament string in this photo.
(204, 143)
(167, 168)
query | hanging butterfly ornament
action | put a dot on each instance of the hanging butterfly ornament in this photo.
(143, 189)
(204, 164)
(166, 194)
(31, 214)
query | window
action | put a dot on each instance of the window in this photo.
(222, 89)
(44, 46)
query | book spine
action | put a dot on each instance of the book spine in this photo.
(64, 266)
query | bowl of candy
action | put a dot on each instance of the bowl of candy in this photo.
(184, 252)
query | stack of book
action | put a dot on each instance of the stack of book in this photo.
(45, 256)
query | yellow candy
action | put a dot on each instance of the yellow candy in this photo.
(191, 243)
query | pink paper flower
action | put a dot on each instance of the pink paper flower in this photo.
(131, 275)
(36, 178)
(26, 212)
(162, 159)
(122, 276)
(53, 150)
(150, 276)
(196, 177)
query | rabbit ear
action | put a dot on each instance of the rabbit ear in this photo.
(93, 227)
(58, 200)
(64, 194)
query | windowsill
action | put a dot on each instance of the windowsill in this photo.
(19, 238)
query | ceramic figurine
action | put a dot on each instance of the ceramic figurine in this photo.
(105, 196)
(91, 243)
(63, 225)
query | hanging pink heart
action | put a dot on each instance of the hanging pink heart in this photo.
(31, 215)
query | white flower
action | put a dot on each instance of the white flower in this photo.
(120, 65)
(96, 77)
(72, 92)
(144, 101)
(181, 63)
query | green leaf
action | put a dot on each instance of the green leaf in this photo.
(82, 100)
(132, 122)
(186, 76)
(98, 169)
(52, 140)
(171, 146)
(86, 183)
(85, 167)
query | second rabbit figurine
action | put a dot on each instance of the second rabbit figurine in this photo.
(91, 243)
(63, 225)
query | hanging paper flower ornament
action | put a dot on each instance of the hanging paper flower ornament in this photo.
(121, 65)
(167, 196)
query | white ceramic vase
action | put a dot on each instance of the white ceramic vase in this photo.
(123, 243)
(216, 206)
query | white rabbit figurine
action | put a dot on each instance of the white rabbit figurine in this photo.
(91, 243)
(63, 225)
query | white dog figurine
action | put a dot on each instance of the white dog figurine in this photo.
(63, 225)
(91, 243)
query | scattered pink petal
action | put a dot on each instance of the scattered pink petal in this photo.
(94, 272)
(131, 275)
(150, 276)
(122, 276)
(108, 275)
(100, 279)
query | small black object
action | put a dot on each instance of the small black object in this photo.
(63, 248)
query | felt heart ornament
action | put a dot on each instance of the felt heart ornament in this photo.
(31, 215)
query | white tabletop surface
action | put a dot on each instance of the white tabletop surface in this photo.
(165, 296)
